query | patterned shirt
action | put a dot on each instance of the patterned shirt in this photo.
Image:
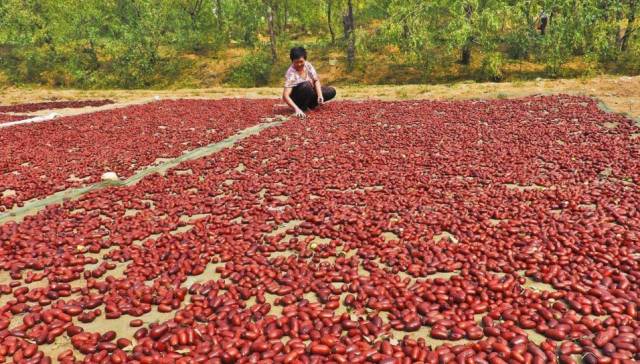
(292, 78)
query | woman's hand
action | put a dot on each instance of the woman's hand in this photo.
(299, 113)
(286, 96)
(320, 100)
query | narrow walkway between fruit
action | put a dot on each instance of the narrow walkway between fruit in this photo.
(34, 206)
(47, 114)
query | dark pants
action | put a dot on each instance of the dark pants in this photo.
(543, 25)
(306, 97)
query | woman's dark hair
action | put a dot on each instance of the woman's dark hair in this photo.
(298, 52)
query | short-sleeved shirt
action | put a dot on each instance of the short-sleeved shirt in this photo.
(292, 78)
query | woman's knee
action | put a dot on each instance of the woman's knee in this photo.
(306, 87)
(328, 93)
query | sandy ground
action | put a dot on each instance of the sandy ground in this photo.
(620, 94)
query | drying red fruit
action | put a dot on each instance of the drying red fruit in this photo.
(30, 107)
(392, 232)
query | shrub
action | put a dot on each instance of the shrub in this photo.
(629, 61)
(518, 45)
(491, 68)
(254, 70)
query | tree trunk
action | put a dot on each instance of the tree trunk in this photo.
(620, 36)
(619, 32)
(623, 35)
(219, 14)
(272, 33)
(465, 56)
(349, 24)
(527, 14)
(286, 13)
(193, 10)
(333, 34)
(405, 30)
(93, 55)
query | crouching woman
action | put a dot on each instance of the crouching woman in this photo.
(302, 88)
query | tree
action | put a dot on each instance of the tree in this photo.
(123, 43)
(219, 15)
(631, 26)
(445, 29)
(244, 20)
(329, 21)
(270, 4)
(350, 35)
(192, 8)
(465, 57)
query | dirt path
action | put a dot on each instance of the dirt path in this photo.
(620, 94)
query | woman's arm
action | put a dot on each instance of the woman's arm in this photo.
(316, 83)
(286, 96)
(319, 91)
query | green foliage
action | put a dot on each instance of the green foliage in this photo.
(519, 44)
(492, 67)
(254, 70)
(243, 20)
(148, 43)
(630, 60)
